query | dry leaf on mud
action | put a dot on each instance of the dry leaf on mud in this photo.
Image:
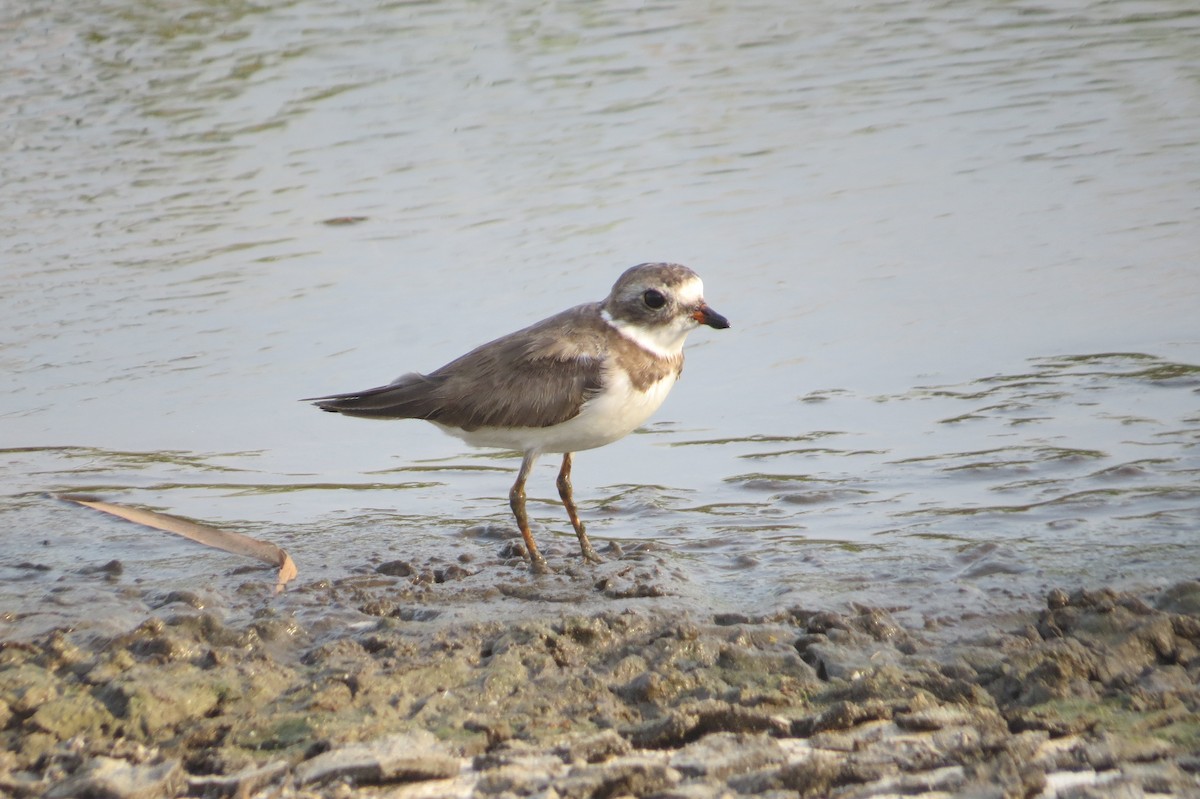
(225, 540)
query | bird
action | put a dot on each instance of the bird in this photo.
(577, 380)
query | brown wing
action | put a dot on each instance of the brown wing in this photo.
(535, 377)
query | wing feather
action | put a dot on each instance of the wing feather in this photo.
(534, 377)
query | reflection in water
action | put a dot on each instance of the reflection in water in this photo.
(910, 204)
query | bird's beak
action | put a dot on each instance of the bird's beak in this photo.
(707, 316)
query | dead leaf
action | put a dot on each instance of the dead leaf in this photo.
(225, 540)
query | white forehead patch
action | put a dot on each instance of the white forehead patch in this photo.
(691, 292)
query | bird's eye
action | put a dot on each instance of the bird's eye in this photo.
(654, 299)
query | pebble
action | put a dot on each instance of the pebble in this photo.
(112, 778)
(404, 757)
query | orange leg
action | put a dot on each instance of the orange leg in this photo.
(516, 500)
(568, 499)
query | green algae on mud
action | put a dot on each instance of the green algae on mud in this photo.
(839, 704)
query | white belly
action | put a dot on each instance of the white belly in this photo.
(615, 413)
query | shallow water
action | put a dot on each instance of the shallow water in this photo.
(957, 246)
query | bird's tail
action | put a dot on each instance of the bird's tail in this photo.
(406, 397)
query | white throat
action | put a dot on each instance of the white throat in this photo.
(665, 341)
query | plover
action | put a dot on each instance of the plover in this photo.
(578, 380)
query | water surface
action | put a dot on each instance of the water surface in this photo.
(957, 246)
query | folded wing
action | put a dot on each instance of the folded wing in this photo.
(530, 378)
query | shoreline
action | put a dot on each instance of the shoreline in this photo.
(1099, 688)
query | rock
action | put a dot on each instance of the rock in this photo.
(593, 748)
(840, 716)
(696, 790)
(635, 775)
(696, 719)
(396, 568)
(70, 715)
(518, 755)
(670, 730)
(243, 783)
(522, 775)
(1182, 598)
(651, 687)
(405, 757)
(27, 687)
(557, 703)
(157, 700)
(112, 778)
(834, 661)
(934, 718)
(725, 753)
(815, 775)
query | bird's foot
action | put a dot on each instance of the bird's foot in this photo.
(589, 554)
(537, 565)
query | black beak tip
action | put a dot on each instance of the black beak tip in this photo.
(713, 319)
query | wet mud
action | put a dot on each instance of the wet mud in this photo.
(602, 682)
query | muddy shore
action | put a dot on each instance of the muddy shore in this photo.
(603, 684)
